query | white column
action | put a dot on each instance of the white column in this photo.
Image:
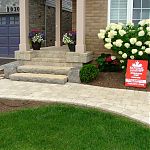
(24, 25)
(58, 40)
(80, 43)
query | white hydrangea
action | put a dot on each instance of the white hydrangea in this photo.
(112, 33)
(127, 45)
(108, 45)
(143, 47)
(120, 52)
(148, 33)
(118, 43)
(113, 26)
(133, 41)
(119, 26)
(142, 23)
(122, 32)
(123, 67)
(140, 53)
(113, 57)
(141, 33)
(101, 35)
(124, 56)
(134, 51)
(138, 43)
(147, 50)
(103, 31)
(147, 43)
(108, 40)
(140, 28)
(148, 29)
(132, 57)
(121, 61)
(130, 23)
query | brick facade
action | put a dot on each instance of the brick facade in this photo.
(96, 19)
(37, 20)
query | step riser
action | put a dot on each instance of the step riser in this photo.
(51, 55)
(48, 60)
(39, 71)
(53, 64)
(40, 80)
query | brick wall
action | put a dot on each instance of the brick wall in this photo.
(37, 20)
(96, 19)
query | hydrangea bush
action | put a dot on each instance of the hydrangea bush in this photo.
(129, 41)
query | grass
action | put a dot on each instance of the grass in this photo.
(64, 127)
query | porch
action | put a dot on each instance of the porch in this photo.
(79, 56)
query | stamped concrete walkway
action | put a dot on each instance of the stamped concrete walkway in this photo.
(134, 104)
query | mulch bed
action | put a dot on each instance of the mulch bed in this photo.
(12, 105)
(114, 80)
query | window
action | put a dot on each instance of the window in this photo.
(14, 20)
(128, 10)
(3, 20)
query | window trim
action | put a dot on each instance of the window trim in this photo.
(129, 11)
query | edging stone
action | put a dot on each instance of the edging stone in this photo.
(11, 68)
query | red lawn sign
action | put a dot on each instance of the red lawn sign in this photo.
(136, 73)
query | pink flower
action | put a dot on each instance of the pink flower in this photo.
(108, 59)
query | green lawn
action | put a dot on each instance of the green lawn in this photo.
(64, 127)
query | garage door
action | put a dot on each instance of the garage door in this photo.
(9, 35)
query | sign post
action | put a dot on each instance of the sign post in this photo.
(136, 73)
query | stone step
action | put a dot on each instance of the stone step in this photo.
(59, 60)
(42, 78)
(51, 54)
(62, 64)
(63, 48)
(44, 69)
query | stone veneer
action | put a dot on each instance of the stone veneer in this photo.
(37, 19)
(96, 19)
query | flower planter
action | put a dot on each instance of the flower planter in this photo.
(71, 47)
(36, 45)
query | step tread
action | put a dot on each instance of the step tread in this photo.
(43, 59)
(43, 69)
(50, 76)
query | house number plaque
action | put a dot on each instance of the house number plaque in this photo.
(12, 9)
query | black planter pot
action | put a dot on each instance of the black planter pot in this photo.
(36, 45)
(71, 47)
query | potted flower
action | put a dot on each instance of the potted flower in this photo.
(69, 39)
(36, 38)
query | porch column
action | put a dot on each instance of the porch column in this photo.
(24, 25)
(58, 38)
(80, 43)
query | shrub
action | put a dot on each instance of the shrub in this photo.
(129, 41)
(88, 73)
(108, 63)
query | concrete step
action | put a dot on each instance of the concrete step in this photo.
(51, 54)
(42, 78)
(62, 64)
(44, 69)
(59, 60)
